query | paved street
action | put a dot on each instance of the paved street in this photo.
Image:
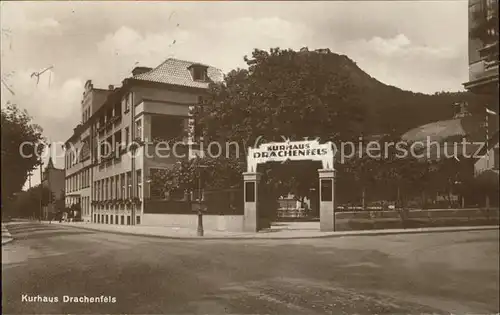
(422, 273)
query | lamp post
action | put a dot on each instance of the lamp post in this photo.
(41, 189)
(199, 230)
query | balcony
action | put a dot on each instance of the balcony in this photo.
(483, 69)
(482, 73)
(489, 50)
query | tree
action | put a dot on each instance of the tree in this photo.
(282, 94)
(18, 129)
(27, 203)
(217, 173)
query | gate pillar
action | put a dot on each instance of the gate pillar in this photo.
(326, 200)
(250, 195)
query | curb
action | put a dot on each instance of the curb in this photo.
(351, 234)
(6, 236)
(6, 241)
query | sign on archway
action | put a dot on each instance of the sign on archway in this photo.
(306, 150)
(290, 151)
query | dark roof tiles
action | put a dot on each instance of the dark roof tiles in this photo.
(176, 72)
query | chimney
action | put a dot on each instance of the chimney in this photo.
(460, 110)
(140, 70)
(111, 87)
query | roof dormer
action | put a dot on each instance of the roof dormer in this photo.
(198, 72)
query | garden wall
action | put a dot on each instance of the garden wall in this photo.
(368, 220)
(230, 223)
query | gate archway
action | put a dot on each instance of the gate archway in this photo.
(290, 151)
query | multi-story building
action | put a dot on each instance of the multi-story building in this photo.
(151, 105)
(78, 165)
(53, 179)
(483, 47)
(483, 72)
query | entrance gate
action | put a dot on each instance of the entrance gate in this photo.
(293, 151)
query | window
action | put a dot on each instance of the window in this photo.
(127, 136)
(109, 145)
(118, 140)
(139, 184)
(102, 151)
(109, 114)
(122, 183)
(98, 190)
(496, 158)
(112, 192)
(124, 104)
(129, 185)
(128, 102)
(106, 189)
(117, 187)
(118, 109)
(156, 191)
(198, 72)
(138, 129)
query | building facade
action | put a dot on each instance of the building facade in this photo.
(121, 133)
(483, 73)
(78, 163)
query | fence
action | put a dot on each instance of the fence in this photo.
(367, 220)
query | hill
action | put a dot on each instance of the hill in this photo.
(392, 109)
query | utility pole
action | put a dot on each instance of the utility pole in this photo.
(133, 179)
(41, 189)
(200, 230)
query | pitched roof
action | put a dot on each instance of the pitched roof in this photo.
(447, 137)
(175, 71)
(50, 164)
(470, 127)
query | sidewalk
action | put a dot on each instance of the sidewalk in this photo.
(275, 232)
(6, 237)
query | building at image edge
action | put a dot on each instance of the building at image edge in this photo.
(483, 74)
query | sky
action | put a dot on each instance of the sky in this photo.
(415, 45)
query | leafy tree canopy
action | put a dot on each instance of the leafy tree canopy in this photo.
(27, 203)
(283, 93)
(18, 128)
